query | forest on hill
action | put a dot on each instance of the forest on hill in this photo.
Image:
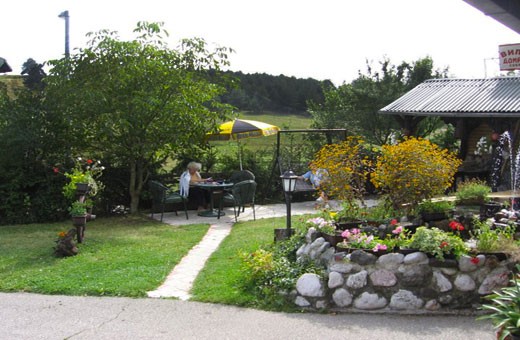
(260, 92)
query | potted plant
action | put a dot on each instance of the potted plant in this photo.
(437, 243)
(350, 216)
(354, 239)
(382, 213)
(327, 228)
(497, 241)
(434, 210)
(505, 308)
(472, 192)
(78, 211)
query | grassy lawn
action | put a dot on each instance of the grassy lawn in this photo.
(123, 256)
(128, 256)
(221, 279)
(284, 122)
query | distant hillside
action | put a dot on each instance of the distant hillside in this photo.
(261, 92)
(12, 83)
(258, 92)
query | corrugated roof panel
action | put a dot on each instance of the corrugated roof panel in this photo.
(460, 96)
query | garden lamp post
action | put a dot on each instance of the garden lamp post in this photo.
(289, 185)
(65, 15)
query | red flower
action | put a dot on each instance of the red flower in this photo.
(475, 260)
(56, 170)
(393, 222)
(456, 226)
(89, 161)
(444, 244)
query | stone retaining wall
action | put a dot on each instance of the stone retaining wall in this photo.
(396, 282)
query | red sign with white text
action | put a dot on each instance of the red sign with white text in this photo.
(509, 56)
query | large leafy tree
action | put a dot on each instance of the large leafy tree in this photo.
(133, 102)
(354, 106)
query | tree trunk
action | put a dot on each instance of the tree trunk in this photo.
(135, 185)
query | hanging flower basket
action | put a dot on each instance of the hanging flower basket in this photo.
(79, 221)
(82, 189)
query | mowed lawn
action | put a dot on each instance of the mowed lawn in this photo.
(120, 256)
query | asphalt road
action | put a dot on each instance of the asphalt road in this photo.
(34, 316)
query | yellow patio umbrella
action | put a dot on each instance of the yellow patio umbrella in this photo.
(240, 129)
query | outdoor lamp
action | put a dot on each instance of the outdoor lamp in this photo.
(65, 15)
(289, 185)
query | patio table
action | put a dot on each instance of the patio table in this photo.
(215, 189)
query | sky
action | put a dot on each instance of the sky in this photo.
(326, 39)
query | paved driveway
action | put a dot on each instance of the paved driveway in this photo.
(33, 316)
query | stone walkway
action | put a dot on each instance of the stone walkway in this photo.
(180, 281)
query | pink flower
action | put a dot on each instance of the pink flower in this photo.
(379, 247)
(355, 231)
(364, 240)
(345, 234)
(397, 230)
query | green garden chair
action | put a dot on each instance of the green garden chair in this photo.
(162, 195)
(242, 194)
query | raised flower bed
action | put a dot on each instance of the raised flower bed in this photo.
(413, 282)
(393, 268)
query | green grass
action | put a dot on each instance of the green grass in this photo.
(128, 256)
(124, 256)
(283, 121)
(222, 279)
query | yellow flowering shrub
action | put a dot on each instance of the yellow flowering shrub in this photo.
(413, 170)
(345, 166)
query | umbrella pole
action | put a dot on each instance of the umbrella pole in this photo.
(239, 154)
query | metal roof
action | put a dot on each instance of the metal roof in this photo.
(507, 12)
(460, 98)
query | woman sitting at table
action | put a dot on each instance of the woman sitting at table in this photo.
(187, 189)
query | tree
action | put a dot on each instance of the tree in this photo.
(355, 106)
(135, 102)
(31, 140)
(35, 74)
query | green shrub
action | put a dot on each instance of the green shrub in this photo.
(472, 192)
(505, 309)
(490, 240)
(273, 271)
(383, 211)
(430, 206)
(437, 242)
(412, 171)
